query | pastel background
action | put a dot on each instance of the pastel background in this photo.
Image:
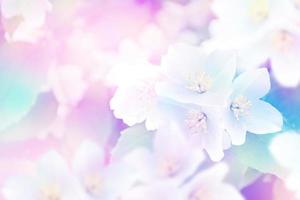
(61, 62)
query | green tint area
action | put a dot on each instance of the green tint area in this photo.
(17, 95)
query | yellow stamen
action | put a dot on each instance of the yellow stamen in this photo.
(259, 10)
(200, 82)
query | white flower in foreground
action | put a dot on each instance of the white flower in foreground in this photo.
(208, 184)
(29, 15)
(246, 111)
(172, 158)
(285, 149)
(101, 180)
(135, 100)
(202, 125)
(52, 181)
(194, 76)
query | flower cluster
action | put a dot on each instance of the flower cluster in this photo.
(201, 93)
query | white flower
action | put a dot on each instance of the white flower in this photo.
(202, 125)
(194, 76)
(32, 15)
(241, 22)
(246, 112)
(260, 30)
(208, 184)
(285, 149)
(135, 100)
(92, 178)
(52, 180)
(172, 158)
(280, 44)
(100, 179)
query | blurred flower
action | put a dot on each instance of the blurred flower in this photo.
(239, 23)
(26, 18)
(280, 44)
(98, 178)
(93, 177)
(173, 18)
(52, 180)
(285, 148)
(260, 30)
(165, 162)
(208, 184)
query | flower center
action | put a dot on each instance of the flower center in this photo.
(259, 10)
(197, 122)
(200, 82)
(282, 40)
(240, 107)
(92, 184)
(51, 192)
(170, 167)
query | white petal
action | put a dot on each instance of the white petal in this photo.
(181, 94)
(158, 191)
(118, 178)
(213, 140)
(285, 149)
(213, 144)
(234, 128)
(226, 141)
(142, 161)
(210, 183)
(252, 57)
(164, 145)
(209, 177)
(221, 66)
(153, 120)
(52, 165)
(181, 61)
(130, 105)
(53, 169)
(253, 84)
(263, 118)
